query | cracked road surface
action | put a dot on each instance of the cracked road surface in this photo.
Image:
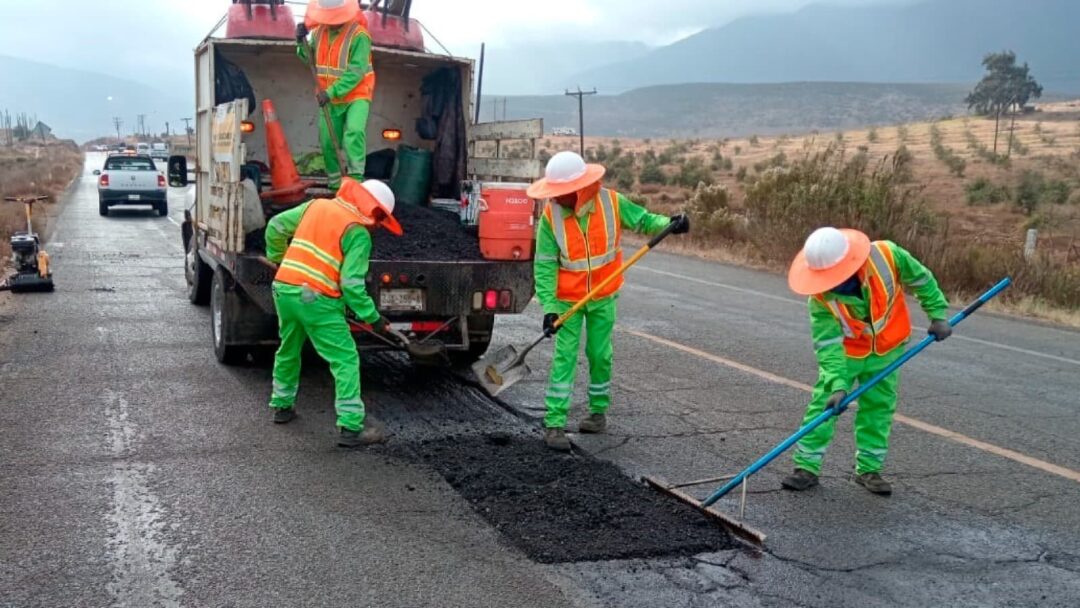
(135, 471)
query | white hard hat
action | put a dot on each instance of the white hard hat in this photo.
(564, 167)
(382, 193)
(825, 248)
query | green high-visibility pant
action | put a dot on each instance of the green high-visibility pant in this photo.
(873, 419)
(599, 321)
(306, 315)
(349, 122)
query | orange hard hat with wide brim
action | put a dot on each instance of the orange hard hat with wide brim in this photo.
(808, 281)
(545, 188)
(343, 13)
(354, 193)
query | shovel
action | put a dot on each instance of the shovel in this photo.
(507, 366)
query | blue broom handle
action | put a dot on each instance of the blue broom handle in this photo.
(830, 412)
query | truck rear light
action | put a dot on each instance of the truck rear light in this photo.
(403, 279)
(161, 181)
(491, 299)
(506, 299)
(247, 126)
(391, 134)
(104, 181)
(387, 278)
(477, 300)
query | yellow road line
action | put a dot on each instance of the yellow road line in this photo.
(960, 438)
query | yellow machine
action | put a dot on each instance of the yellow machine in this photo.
(32, 267)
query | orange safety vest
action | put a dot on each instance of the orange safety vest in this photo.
(332, 60)
(314, 256)
(890, 324)
(588, 257)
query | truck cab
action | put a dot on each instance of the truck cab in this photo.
(423, 103)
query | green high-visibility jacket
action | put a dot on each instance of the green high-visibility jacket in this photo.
(355, 247)
(546, 261)
(359, 62)
(827, 333)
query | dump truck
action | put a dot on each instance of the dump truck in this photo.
(428, 292)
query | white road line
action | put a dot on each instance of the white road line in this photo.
(770, 296)
(172, 220)
(933, 429)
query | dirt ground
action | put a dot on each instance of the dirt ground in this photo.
(568, 508)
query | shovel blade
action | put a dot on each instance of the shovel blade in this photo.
(500, 370)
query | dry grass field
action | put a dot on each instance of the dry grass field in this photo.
(35, 168)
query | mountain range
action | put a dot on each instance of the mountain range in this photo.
(925, 41)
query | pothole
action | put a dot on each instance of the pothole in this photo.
(563, 508)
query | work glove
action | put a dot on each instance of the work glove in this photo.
(940, 329)
(549, 324)
(323, 98)
(834, 399)
(681, 223)
(381, 326)
(301, 33)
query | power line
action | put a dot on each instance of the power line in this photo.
(581, 113)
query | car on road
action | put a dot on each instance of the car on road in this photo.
(142, 148)
(131, 180)
(159, 151)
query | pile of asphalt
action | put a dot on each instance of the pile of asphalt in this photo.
(429, 235)
(560, 508)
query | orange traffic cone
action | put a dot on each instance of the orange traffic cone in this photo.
(285, 180)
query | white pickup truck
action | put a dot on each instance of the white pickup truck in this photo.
(131, 180)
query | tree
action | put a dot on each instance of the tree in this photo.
(1005, 86)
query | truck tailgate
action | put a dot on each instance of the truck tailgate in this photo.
(120, 179)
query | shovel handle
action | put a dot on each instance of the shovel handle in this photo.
(342, 162)
(618, 273)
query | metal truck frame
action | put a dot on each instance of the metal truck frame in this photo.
(236, 282)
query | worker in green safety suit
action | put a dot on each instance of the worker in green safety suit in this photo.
(859, 323)
(323, 248)
(578, 246)
(342, 47)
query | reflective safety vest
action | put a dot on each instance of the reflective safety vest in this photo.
(332, 60)
(314, 256)
(588, 257)
(889, 325)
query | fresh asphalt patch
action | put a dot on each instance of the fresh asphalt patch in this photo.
(559, 508)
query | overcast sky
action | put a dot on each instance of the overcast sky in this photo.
(151, 40)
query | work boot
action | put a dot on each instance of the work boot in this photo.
(284, 415)
(874, 483)
(371, 434)
(800, 480)
(595, 423)
(557, 440)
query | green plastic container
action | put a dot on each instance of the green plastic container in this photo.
(411, 181)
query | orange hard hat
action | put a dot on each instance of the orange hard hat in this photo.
(829, 257)
(331, 12)
(368, 197)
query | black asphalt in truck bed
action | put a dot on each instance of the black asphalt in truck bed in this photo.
(559, 508)
(429, 235)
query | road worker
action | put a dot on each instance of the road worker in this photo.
(577, 247)
(859, 323)
(342, 45)
(323, 249)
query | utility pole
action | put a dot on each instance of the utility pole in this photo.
(187, 129)
(142, 126)
(581, 114)
(117, 122)
(504, 108)
(168, 132)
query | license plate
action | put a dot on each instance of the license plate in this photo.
(134, 197)
(411, 300)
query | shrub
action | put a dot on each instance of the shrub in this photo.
(984, 192)
(740, 175)
(902, 134)
(779, 160)
(651, 174)
(738, 150)
(692, 173)
(1035, 189)
(946, 155)
(754, 140)
(872, 135)
(710, 213)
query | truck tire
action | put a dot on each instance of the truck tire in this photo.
(198, 274)
(103, 208)
(220, 323)
(162, 208)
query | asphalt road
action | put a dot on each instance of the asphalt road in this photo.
(136, 471)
